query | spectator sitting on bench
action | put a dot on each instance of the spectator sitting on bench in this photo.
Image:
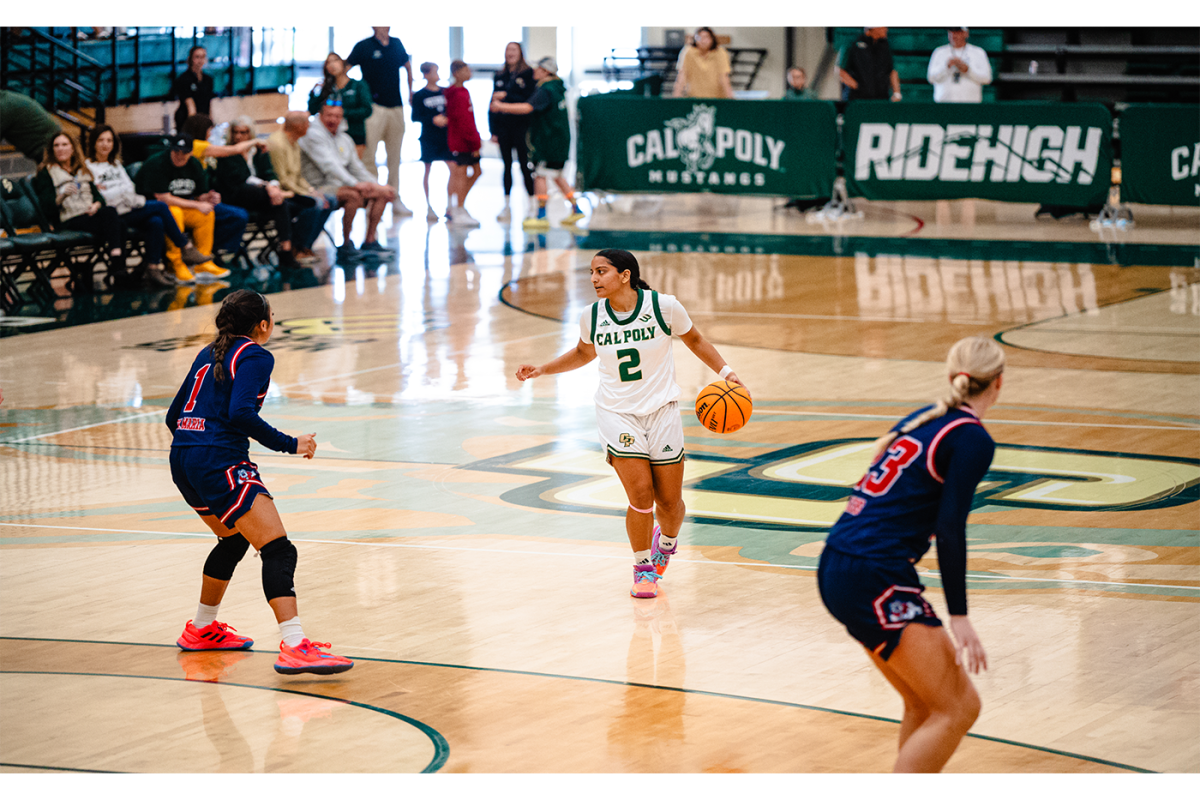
(330, 162)
(151, 219)
(176, 178)
(248, 181)
(67, 192)
(287, 163)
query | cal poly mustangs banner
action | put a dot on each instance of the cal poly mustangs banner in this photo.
(655, 145)
(1053, 153)
(1160, 155)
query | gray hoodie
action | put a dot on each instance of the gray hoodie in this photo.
(328, 161)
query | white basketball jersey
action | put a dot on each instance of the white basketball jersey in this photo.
(637, 371)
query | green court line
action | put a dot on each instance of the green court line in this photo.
(441, 748)
(63, 769)
(608, 681)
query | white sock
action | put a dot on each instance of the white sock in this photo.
(205, 615)
(641, 558)
(666, 544)
(292, 632)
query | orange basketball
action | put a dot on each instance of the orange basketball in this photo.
(723, 407)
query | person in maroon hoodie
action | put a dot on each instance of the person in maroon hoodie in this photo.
(465, 142)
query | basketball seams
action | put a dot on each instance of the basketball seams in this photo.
(716, 417)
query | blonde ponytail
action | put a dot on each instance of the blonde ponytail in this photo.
(973, 363)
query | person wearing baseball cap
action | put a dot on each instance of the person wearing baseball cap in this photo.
(176, 178)
(959, 71)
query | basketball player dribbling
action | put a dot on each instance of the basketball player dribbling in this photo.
(212, 418)
(921, 484)
(637, 409)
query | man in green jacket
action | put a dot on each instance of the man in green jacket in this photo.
(549, 139)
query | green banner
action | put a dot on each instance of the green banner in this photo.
(1160, 155)
(1053, 153)
(657, 145)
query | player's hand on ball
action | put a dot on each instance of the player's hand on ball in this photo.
(527, 371)
(733, 378)
(306, 445)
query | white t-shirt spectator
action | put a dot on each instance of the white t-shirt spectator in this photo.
(968, 88)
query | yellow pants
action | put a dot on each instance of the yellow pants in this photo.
(199, 225)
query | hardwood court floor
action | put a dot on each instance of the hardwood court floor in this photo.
(460, 536)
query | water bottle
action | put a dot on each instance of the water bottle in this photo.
(1033, 68)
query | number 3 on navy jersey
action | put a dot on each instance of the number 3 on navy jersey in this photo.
(880, 478)
(200, 374)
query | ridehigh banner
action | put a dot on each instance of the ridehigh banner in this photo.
(1160, 154)
(1050, 153)
(658, 145)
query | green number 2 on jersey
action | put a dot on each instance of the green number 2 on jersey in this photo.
(629, 360)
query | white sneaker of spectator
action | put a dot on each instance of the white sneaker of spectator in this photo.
(460, 218)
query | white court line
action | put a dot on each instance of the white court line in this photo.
(282, 387)
(990, 420)
(85, 427)
(835, 317)
(930, 573)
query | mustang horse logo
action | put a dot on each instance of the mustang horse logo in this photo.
(694, 137)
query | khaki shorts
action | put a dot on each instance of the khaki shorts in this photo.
(656, 437)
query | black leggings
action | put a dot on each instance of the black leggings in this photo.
(105, 223)
(509, 140)
(255, 198)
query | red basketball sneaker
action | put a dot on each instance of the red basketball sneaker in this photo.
(215, 636)
(307, 657)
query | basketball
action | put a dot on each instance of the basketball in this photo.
(723, 407)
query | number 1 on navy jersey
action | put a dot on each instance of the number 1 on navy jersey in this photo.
(880, 478)
(200, 375)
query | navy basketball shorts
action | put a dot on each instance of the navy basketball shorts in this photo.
(215, 481)
(874, 598)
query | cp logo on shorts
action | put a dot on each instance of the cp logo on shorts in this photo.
(626, 439)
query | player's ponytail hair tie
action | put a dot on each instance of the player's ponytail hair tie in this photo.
(974, 355)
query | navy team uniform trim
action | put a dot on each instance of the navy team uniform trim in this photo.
(921, 488)
(213, 486)
(875, 599)
(212, 422)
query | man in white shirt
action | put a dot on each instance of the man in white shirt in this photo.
(959, 71)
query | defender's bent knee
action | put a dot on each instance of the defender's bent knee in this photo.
(278, 568)
(225, 556)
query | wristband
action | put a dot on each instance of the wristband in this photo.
(725, 370)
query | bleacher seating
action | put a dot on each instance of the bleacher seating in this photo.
(660, 62)
(1105, 64)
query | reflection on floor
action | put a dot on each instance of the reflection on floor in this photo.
(461, 537)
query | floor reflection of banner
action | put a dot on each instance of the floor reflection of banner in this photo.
(1057, 154)
(1160, 155)
(658, 145)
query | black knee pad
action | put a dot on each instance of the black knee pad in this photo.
(225, 556)
(278, 568)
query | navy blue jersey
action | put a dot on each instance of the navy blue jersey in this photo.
(211, 413)
(920, 488)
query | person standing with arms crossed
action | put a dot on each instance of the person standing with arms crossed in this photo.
(921, 484)
(513, 84)
(380, 58)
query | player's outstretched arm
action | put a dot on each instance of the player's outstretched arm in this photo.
(583, 354)
(705, 351)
